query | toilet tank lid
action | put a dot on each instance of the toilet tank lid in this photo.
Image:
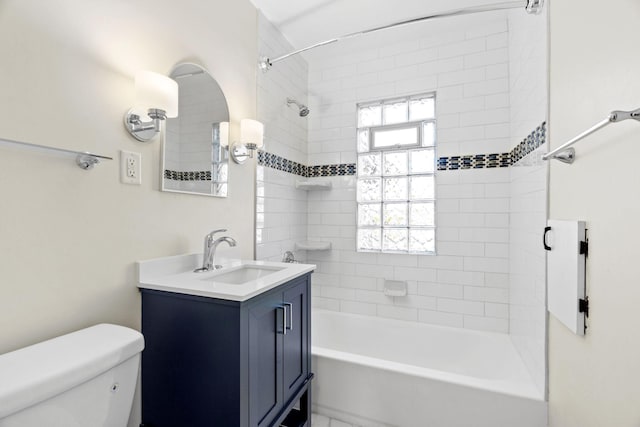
(38, 372)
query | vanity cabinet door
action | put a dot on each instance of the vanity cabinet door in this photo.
(279, 349)
(296, 342)
(265, 321)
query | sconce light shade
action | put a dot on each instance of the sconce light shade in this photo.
(224, 134)
(251, 133)
(157, 99)
(155, 91)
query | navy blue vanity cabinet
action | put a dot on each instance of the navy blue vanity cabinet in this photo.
(213, 362)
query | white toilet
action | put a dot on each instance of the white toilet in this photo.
(83, 379)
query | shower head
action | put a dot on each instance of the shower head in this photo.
(304, 110)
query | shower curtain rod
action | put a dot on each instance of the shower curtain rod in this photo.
(567, 154)
(531, 6)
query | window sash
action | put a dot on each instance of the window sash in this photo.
(374, 130)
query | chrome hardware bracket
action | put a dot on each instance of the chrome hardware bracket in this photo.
(534, 7)
(618, 116)
(86, 161)
(567, 155)
(141, 130)
(239, 153)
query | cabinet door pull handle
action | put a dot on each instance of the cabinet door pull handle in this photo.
(288, 304)
(284, 319)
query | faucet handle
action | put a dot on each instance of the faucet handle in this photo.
(221, 230)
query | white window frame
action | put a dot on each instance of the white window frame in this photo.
(419, 126)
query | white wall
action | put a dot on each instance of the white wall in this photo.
(593, 380)
(69, 237)
(467, 64)
(528, 204)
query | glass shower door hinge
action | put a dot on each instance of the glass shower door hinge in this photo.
(584, 248)
(583, 306)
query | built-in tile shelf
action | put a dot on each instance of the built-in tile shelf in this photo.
(313, 185)
(312, 246)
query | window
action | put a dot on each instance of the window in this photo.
(396, 175)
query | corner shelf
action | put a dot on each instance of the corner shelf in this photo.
(312, 246)
(313, 185)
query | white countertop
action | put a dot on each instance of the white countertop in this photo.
(175, 274)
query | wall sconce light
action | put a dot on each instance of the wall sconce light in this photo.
(156, 99)
(251, 139)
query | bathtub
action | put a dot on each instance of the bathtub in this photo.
(379, 372)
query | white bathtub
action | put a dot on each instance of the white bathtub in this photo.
(379, 372)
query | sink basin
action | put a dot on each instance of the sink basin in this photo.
(238, 280)
(244, 274)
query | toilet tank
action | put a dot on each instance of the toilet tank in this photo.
(83, 379)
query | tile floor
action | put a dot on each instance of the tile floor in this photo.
(322, 421)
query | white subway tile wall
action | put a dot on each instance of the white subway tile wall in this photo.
(468, 70)
(528, 191)
(285, 131)
(468, 277)
(467, 284)
(281, 217)
(528, 263)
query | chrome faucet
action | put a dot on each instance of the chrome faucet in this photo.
(289, 257)
(209, 252)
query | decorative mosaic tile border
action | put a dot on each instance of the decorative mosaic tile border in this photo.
(499, 160)
(280, 163)
(331, 170)
(477, 161)
(530, 143)
(474, 161)
(187, 176)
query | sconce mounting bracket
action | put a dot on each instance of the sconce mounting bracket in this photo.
(143, 131)
(239, 153)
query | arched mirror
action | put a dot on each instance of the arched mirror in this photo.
(194, 161)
